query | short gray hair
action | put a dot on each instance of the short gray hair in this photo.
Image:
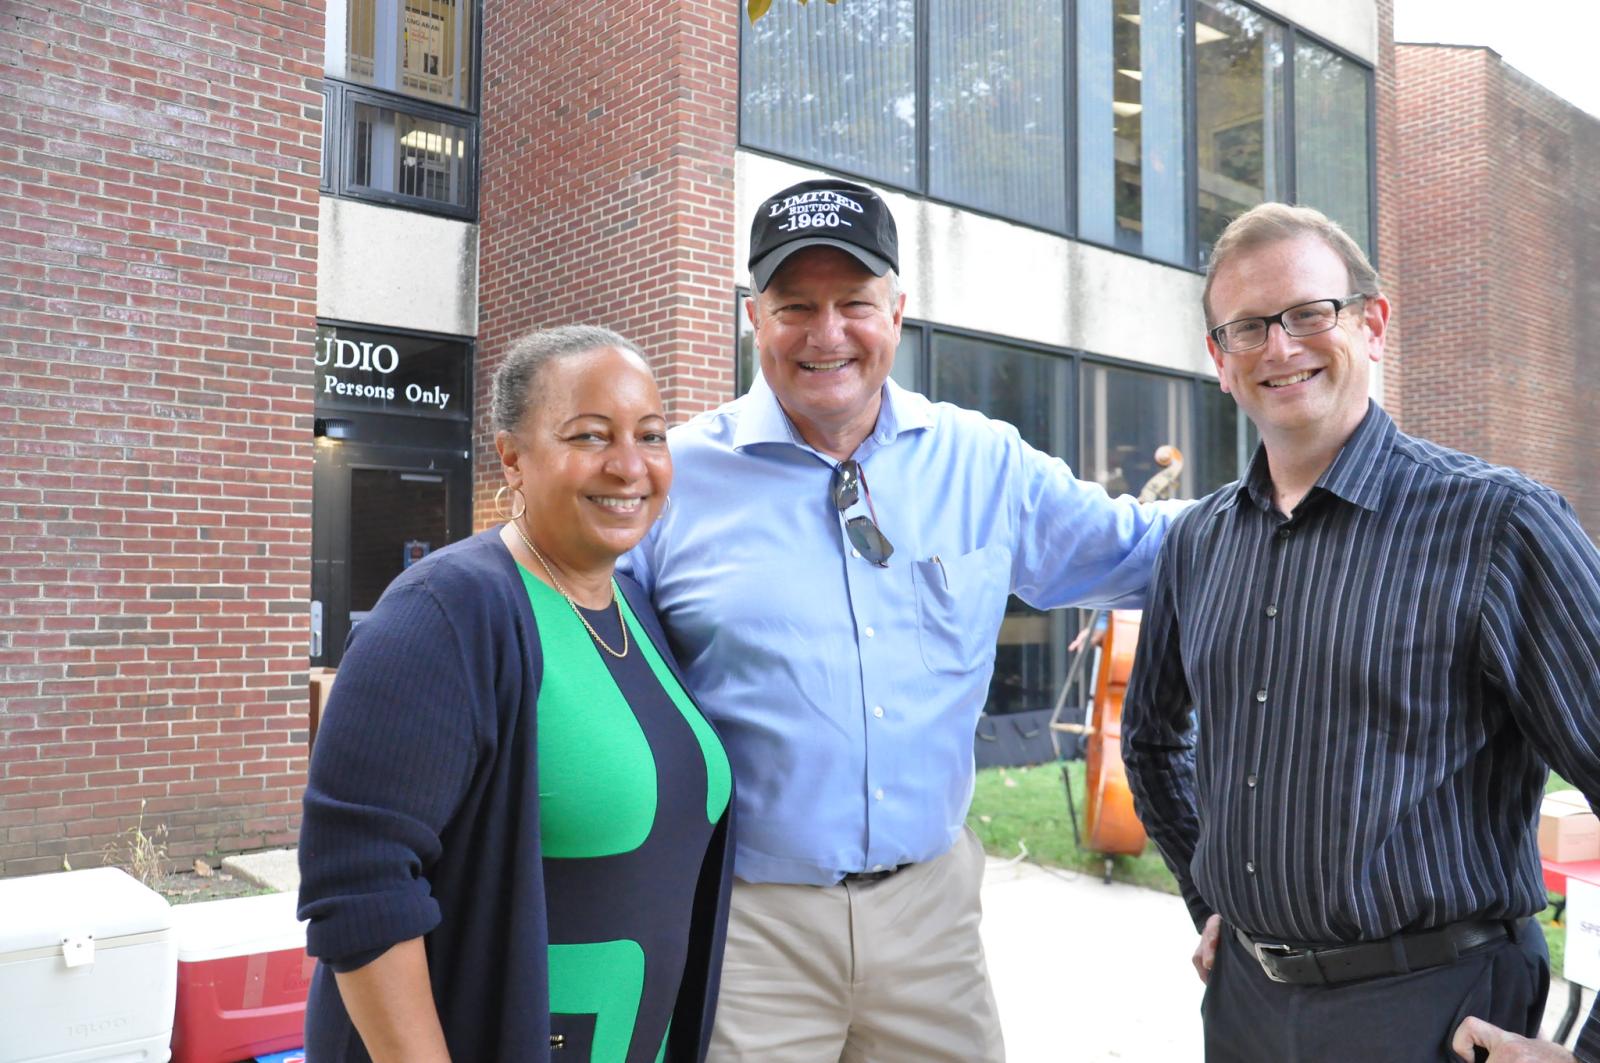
(529, 355)
(1269, 223)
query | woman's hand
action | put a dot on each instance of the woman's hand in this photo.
(390, 1001)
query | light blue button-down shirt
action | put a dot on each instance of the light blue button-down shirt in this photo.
(847, 694)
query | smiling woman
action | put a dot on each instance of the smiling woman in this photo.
(440, 862)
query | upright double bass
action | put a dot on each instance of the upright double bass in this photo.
(1111, 827)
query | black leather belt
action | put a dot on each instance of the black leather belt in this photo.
(858, 878)
(1331, 964)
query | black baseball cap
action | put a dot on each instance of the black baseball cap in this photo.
(823, 212)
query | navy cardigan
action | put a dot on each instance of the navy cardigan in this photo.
(421, 815)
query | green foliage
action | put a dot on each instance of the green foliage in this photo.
(757, 8)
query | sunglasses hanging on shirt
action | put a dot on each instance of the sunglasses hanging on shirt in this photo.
(849, 485)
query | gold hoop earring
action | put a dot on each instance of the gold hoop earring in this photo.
(500, 503)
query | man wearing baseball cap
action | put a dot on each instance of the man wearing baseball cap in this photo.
(833, 574)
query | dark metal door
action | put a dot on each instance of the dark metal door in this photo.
(377, 510)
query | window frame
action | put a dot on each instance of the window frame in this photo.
(338, 131)
(1296, 34)
(1292, 31)
(349, 95)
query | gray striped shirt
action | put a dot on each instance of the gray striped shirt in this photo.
(1338, 722)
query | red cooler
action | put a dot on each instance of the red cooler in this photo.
(243, 974)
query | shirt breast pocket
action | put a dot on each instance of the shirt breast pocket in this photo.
(960, 601)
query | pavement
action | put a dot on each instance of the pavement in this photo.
(1092, 973)
(1082, 971)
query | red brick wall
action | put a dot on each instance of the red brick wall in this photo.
(607, 150)
(1389, 208)
(158, 172)
(1501, 244)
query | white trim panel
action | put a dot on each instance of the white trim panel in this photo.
(381, 266)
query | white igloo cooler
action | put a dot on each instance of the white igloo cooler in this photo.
(88, 969)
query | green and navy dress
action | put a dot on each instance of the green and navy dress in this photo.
(632, 783)
(555, 824)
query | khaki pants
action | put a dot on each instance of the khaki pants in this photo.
(887, 972)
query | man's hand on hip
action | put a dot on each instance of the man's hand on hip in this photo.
(1205, 953)
(1503, 1046)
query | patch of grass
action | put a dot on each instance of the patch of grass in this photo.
(1029, 805)
(143, 855)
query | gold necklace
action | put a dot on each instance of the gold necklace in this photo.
(563, 592)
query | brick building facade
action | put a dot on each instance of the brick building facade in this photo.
(1499, 266)
(158, 188)
(607, 179)
(266, 260)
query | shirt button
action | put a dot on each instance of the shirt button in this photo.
(868, 632)
(877, 710)
(1250, 780)
(878, 793)
(1261, 695)
(1250, 866)
(855, 553)
(1283, 533)
(1272, 611)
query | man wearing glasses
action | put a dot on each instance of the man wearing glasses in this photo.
(1355, 665)
(832, 573)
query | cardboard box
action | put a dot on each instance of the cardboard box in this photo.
(88, 968)
(1568, 831)
(243, 976)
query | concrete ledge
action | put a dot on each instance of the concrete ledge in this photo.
(276, 869)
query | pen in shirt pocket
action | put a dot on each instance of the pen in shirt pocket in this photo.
(943, 575)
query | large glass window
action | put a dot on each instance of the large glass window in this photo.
(835, 85)
(1033, 391)
(1127, 415)
(974, 112)
(408, 155)
(1331, 158)
(1240, 114)
(1131, 188)
(400, 91)
(419, 48)
(997, 122)
(1221, 440)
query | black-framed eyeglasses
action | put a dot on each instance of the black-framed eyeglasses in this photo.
(848, 486)
(1299, 321)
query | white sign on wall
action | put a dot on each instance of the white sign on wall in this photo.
(1583, 933)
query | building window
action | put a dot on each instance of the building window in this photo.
(401, 89)
(417, 48)
(1332, 161)
(408, 156)
(968, 104)
(1033, 391)
(1131, 185)
(1127, 415)
(1223, 442)
(997, 121)
(835, 85)
(1240, 145)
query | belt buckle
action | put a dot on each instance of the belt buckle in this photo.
(1265, 949)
